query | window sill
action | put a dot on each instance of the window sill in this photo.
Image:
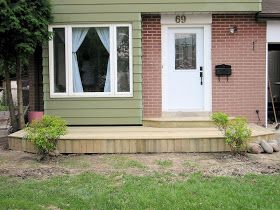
(126, 95)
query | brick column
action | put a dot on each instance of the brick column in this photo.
(151, 65)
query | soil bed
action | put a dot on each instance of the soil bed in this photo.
(25, 165)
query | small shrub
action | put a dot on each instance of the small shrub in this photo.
(237, 135)
(45, 133)
(236, 131)
(221, 120)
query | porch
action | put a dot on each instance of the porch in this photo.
(173, 136)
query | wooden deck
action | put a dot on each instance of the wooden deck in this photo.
(138, 139)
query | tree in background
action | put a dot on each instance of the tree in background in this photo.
(23, 26)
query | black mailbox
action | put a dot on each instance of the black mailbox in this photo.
(223, 70)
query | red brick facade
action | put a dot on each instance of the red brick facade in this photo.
(151, 66)
(243, 93)
(245, 51)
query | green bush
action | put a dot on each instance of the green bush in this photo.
(45, 133)
(221, 120)
(236, 131)
(238, 134)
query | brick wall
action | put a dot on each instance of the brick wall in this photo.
(244, 93)
(151, 66)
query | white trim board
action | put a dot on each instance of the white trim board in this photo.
(266, 84)
(195, 19)
(68, 63)
(273, 31)
(272, 34)
(207, 54)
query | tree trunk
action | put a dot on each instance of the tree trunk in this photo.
(10, 100)
(21, 122)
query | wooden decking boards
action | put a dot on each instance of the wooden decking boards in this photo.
(138, 139)
(180, 122)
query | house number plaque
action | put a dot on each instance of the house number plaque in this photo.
(180, 19)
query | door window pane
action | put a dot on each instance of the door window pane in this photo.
(91, 63)
(59, 60)
(123, 59)
(185, 51)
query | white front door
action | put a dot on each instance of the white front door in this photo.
(183, 72)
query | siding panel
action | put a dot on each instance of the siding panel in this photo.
(102, 121)
(97, 113)
(92, 110)
(153, 7)
(121, 6)
(92, 104)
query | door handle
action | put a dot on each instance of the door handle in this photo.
(201, 75)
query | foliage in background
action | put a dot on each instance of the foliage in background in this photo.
(236, 131)
(23, 26)
(45, 133)
(3, 106)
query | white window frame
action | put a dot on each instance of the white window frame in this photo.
(68, 63)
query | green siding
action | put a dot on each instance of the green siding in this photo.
(62, 7)
(99, 111)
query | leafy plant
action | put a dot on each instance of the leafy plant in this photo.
(45, 133)
(238, 134)
(221, 120)
(236, 131)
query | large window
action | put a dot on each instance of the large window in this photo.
(91, 61)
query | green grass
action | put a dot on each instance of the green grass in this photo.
(75, 162)
(164, 163)
(92, 191)
(123, 162)
(190, 164)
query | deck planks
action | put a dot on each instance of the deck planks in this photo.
(138, 139)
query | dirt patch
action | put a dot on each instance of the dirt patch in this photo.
(25, 165)
(38, 173)
(3, 137)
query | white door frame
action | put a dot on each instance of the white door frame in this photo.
(207, 70)
(272, 37)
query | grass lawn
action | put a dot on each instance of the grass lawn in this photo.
(159, 191)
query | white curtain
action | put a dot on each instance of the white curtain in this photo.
(78, 36)
(103, 34)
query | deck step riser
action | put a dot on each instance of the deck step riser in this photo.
(183, 124)
(126, 146)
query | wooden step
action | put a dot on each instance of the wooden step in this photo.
(138, 139)
(179, 122)
(185, 114)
